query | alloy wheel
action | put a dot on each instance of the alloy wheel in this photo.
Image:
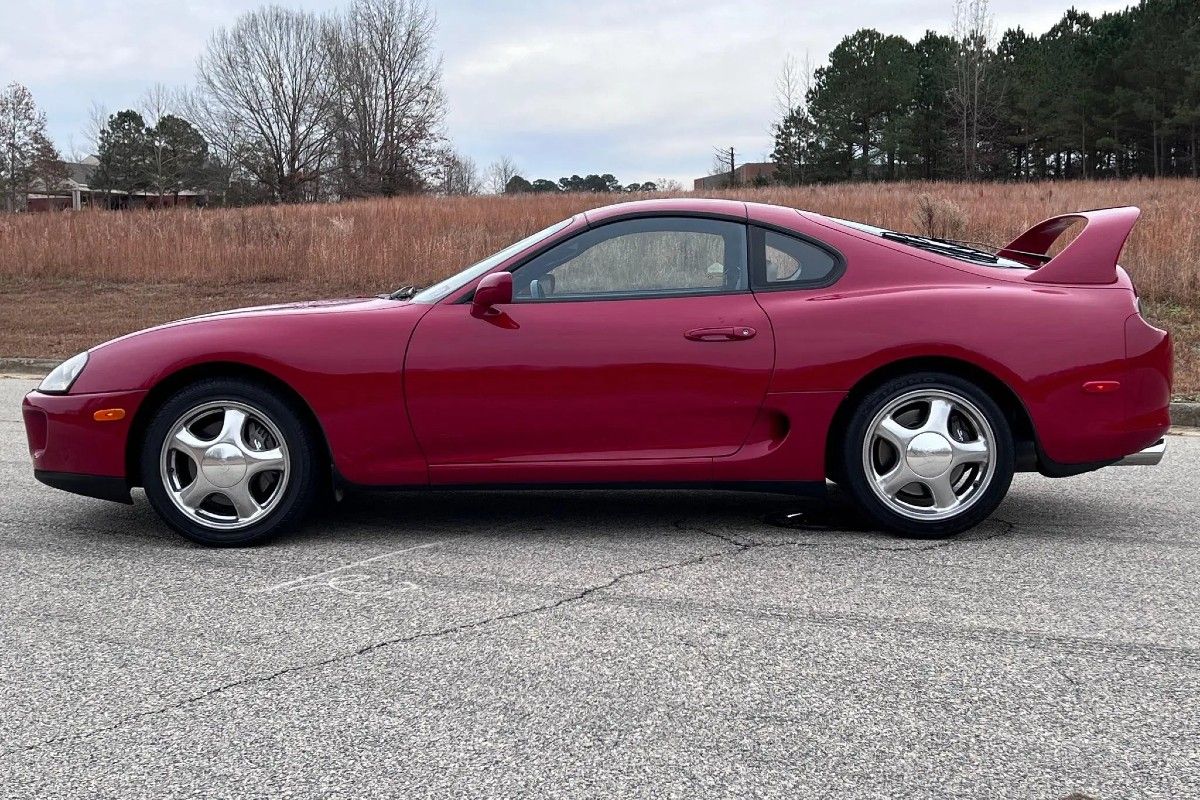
(929, 454)
(224, 464)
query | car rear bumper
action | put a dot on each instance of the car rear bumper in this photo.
(1148, 457)
(1080, 429)
(69, 445)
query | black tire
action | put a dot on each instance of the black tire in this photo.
(303, 461)
(859, 484)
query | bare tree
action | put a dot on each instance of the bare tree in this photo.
(97, 120)
(725, 163)
(459, 175)
(793, 84)
(76, 151)
(499, 173)
(160, 101)
(263, 99)
(972, 95)
(390, 106)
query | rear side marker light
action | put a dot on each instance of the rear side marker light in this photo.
(109, 414)
(1101, 387)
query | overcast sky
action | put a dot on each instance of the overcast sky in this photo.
(640, 88)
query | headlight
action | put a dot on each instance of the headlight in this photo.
(61, 377)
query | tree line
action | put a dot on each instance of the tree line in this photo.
(1111, 96)
(293, 106)
(605, 183)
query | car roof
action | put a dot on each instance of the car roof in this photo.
(723, 208)
(782, 216)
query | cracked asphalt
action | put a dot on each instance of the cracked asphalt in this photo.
(605, 644)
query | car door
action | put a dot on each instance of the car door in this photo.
(634, 343)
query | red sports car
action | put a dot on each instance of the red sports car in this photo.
(705, 343)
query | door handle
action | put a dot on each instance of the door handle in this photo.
(733, 334)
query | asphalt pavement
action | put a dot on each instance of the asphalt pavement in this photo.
(605, 644)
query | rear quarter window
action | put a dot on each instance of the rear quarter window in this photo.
(788, 261)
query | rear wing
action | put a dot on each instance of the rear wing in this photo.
(1090, 258)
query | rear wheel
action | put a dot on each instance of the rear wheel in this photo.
(928, 455)
(228, 463)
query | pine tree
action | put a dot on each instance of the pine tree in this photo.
(793, 136)
(929, 125)
(125, 155)
(177, 156)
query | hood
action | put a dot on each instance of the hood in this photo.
(304, 306)
(283, 340)
(345, 305)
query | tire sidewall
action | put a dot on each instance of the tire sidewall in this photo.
(298, 493)
(857, 481)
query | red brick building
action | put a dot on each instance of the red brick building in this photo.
(74, 194)
(744, 175)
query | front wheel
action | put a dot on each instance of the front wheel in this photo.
(228, 463)
(928, 455)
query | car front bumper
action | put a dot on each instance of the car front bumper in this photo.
(98, 486)
(73, 450)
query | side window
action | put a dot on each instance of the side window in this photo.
(652, 256)
(793, 262)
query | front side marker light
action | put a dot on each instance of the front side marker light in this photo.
(61, 377)
(109, 414)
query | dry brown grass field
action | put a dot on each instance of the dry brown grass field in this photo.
(69, 280)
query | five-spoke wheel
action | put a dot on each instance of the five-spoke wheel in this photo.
(228, 462)
(225, 464)
(928, 454)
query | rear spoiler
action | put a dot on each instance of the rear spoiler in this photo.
(1090, 258)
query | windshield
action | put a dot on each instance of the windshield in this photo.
(454, 282)
(963, 251)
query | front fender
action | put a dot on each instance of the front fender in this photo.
(347, 366)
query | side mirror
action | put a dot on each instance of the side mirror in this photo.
(494, 290)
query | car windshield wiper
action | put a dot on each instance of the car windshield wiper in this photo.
(403, 293)
(943, 246)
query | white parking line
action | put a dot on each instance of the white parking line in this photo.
(339, 581)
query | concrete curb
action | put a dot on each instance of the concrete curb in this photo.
(37, 367)
(1183, 414)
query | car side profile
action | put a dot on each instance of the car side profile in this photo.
(696, 343)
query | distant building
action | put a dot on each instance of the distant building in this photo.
(75, 194)
(744, 175)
